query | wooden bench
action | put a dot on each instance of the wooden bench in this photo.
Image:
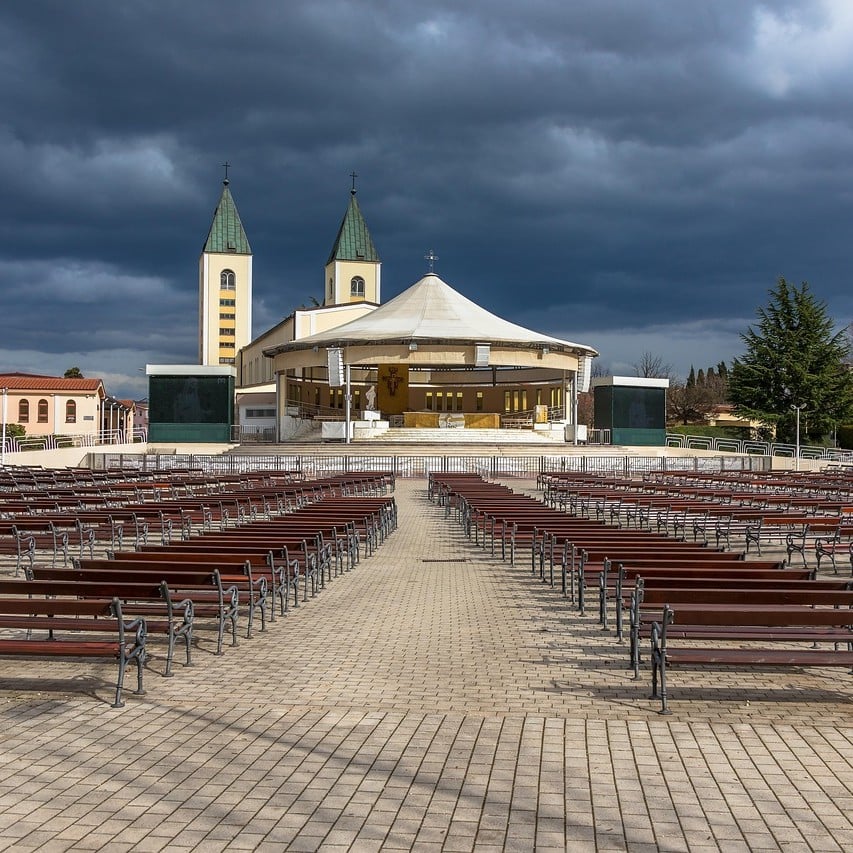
(819, 536)
(23, 535)
(775, 529)
(210, 597)
(22, 546)
(649, 593)
(304, 558)
(74, 628)
(762, 625)
(282, 573)
(205, 583)
(843, 545)
(149, 598)
(614, 577)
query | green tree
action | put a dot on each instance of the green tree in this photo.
(793, 358)
(73, 373)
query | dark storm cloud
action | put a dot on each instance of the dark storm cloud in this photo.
(630, 176)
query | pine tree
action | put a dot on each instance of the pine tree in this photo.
(793, 358)
(700, 377)
(691, 377)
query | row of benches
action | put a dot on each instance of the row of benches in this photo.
(804, 525)
(111, 607)
(674, 593)
(23, 532)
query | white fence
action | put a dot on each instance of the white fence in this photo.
(55, 442)
(757, 448)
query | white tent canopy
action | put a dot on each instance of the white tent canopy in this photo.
(431, 312)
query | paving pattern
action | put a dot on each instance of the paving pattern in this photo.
(435, 698)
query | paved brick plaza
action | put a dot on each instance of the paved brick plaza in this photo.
(456, 704)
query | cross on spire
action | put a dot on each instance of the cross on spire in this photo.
(226, 165)
(353, 175)
(432, 258)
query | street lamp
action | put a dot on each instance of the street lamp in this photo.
(797, 407)
(3, 450)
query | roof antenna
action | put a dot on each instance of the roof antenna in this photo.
(432, 258)
(353, 176)
(226, 166)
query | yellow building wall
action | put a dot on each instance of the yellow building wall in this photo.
(339, 275)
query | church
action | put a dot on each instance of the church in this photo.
(428, 357)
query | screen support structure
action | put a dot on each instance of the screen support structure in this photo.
(347, 398)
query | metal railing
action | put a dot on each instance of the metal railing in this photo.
(404, 466)
(56, 441)
(757, 448)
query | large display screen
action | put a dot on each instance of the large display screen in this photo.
(190, 399)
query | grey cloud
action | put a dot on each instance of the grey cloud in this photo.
(628, 169)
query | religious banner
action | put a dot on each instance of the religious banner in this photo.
(393, 388)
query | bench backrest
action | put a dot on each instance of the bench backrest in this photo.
(771, 616)
(71, 606)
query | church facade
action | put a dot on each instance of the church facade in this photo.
(283, 376)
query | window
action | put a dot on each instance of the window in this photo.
(459, 406)
(260, 413)
(42, 416)
(226, 345)
(226, 332)
(226, 316)
(227, 303)
(227, 280)
(24, 412)
(356, 286)
(71, 412)
(224, 360)
(479, 403)
(429, 405)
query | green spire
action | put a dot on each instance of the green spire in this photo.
(226, 235)
(353, 242)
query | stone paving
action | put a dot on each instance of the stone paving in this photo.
(435, 698)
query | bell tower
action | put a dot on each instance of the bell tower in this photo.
(353, 269)
(225, 285)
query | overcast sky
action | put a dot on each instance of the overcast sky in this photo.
(629, 175)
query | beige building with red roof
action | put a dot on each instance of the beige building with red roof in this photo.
(51, 405)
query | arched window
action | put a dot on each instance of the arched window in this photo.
(71, 412)
(227, 280)
(356, 286)
(24, 412)
(42, 418)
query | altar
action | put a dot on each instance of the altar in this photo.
(452, 420)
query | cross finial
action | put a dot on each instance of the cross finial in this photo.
(226, 165)
(353, 175)
(432, 258)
